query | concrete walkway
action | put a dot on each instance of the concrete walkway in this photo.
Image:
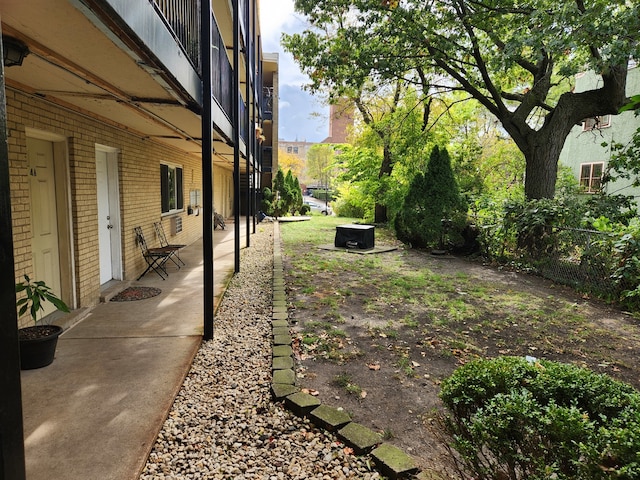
(95, 412)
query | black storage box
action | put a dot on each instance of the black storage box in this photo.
(355, 236)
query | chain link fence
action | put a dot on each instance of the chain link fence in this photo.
(579, 258)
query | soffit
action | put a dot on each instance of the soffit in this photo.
(73, 63)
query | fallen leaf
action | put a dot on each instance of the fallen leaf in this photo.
(348, 451)
(415, 364)
(363, 394)
(311, 391)
(373, 366)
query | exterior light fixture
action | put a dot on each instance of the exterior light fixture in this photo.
(13, 51)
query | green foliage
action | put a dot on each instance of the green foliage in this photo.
(305, 209)
(516, 59)
(286, 196)
(37, 294)
(431, 198)
(526, 228)
(357, 182)
(519, 418)
(626, 250)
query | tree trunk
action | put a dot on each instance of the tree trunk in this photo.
(381, 215)
(542, 166)
(542, 147)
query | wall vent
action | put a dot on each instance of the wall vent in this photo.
(176, 225)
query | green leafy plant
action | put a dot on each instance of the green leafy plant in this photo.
(517, 418)
(37, 294)
(432, 198)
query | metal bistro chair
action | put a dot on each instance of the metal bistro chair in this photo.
(175, 255)
(155, 257)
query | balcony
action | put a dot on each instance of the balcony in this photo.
(182, 18)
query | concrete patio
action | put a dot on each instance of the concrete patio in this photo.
(95, 412)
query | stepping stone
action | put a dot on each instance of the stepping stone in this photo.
(280, 316)
(301, 403)
(393, 462)
(288, 377)
(282, 363)
(330, 418)
(279, 323)
(282, 390)
(282, 340)
(359, 437)
(282, 351)
(280, 331)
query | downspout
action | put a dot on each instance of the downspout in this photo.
(207, 168)
(254, 117)
(12, 461)
(249, 151)
(236, 134)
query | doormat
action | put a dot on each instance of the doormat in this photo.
(136, 293)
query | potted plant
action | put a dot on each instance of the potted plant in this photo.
(37, 342)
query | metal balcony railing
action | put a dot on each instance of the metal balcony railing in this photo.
(183, 19)
(267, 103)
(221, 72)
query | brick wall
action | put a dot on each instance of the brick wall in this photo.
(76, 137)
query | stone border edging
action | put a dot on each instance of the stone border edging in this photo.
(390, 460)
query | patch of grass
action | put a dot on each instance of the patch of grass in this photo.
(410, 322)
(312, 326)
(405, 365)
(344, 380)
(390, 332)
(309, 339)
(387, 434)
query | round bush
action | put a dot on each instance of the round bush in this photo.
(515, 418)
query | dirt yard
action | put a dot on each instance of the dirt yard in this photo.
(377, 333)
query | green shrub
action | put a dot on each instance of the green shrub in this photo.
(304, 209)
(518, 419)
(432, 197)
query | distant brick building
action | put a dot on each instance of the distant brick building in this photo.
(340, 120)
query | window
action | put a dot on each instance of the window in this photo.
(295, 150)
(597, 122)
(171, 188)
(289, 149)
(591, 176)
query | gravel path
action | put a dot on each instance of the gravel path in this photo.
(224, 424)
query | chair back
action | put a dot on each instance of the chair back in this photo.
(140, 240)
(160, 233)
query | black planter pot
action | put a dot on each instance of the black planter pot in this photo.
(38, 345)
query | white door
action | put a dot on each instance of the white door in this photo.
(44, 216)
(108, 216)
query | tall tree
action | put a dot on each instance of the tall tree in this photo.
(290, 161)
(517, 58)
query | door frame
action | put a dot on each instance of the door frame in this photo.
(63, 205)
(113, 175)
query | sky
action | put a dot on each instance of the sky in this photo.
(302, 117)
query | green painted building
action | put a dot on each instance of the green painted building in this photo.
(583, 151)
